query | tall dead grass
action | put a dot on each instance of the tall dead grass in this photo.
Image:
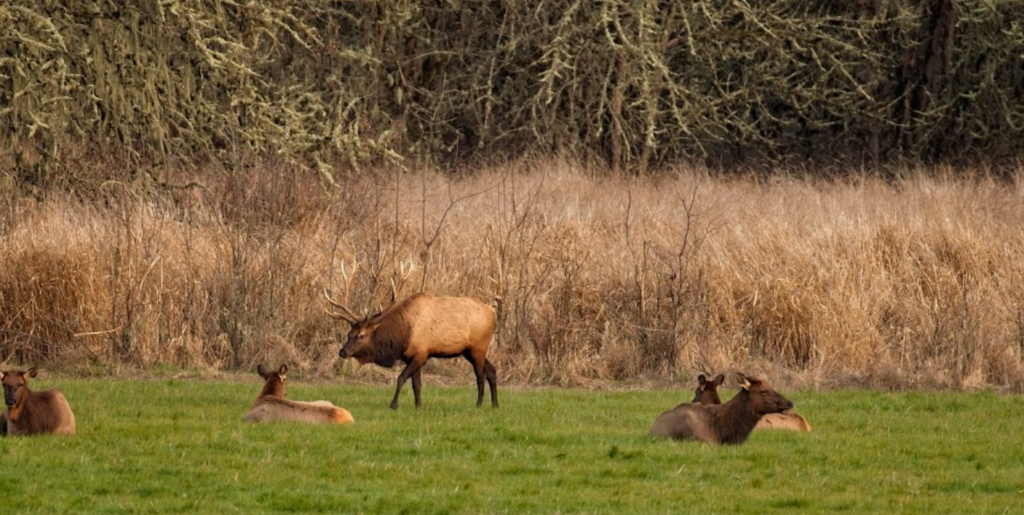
(917, 283)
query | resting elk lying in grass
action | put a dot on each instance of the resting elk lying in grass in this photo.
(270, 404)
(421, 327)
(730, 423)
(707, 393)
(33, 413)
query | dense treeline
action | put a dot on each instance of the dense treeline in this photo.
(635, 85)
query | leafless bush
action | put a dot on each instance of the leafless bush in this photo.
(594, 277)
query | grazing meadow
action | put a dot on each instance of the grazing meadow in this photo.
(178, 445)
(182, 184)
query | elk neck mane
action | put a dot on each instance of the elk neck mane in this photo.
(30, 409)
(24, 400)
(735, 419)
(272, 389)
(391, 338)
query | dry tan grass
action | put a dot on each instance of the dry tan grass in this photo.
(917, 283)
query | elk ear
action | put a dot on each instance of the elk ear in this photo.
(701, 379)
(719, 380)
(283, 370)
(31, 372)
(375, 319)
(743, 381)
(262, 371)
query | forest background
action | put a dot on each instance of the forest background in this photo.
(825, 192)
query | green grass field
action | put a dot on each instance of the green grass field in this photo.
(173, 446)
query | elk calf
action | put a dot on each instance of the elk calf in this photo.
(730, 423)
(270, 404)
(33, 413)
(422, 327)
(707, 393)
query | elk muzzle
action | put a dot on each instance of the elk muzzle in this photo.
(782, 404)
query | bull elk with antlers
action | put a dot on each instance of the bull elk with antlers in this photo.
(421, 327)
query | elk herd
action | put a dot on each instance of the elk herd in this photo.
(412, 331)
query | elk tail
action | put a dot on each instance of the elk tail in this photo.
(499, 305)
(499, 310)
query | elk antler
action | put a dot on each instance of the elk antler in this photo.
(349, 277)
(405, 270)
(347, 314)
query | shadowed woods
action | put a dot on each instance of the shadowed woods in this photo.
(636, 86)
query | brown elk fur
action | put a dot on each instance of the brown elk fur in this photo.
(730, 423)
(34, 413)
(707, 393)
(270, 404)
(421, 327)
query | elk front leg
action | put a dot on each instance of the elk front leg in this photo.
(412, 368)
(416, 386)
(479, 363)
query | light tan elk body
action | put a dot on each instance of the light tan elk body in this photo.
(270, 404)
(730, 423)
(707, 393)
(421, 327)
(33, 413)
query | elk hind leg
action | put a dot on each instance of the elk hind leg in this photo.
(492, 381)
(479, 366)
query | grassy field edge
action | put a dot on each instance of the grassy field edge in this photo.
(178, 445)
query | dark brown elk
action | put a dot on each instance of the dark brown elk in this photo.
(34, 413)
(707, 393)
(421, 327)
(270, 404)
(730, 423)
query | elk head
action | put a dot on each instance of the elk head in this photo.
(360, 336)
(275, 380)
(763, 399)
(14, 381)
(707, 391)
